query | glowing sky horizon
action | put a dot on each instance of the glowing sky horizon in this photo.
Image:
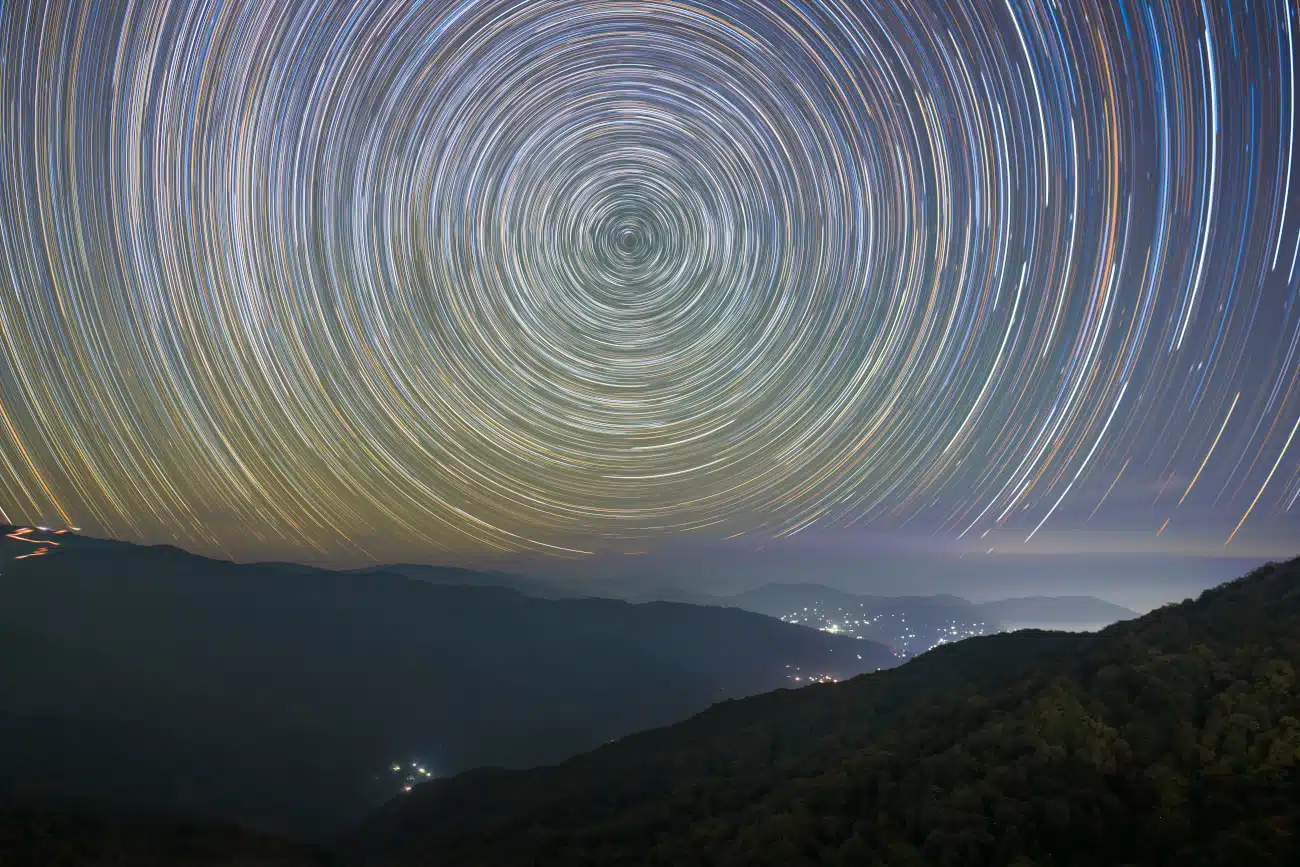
(350, 278)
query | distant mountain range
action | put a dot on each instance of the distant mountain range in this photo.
(909, 624)
(455, 576)
(1171, 739)
(92, 836)
(1054, 611)
(915, 624)
(281, 696)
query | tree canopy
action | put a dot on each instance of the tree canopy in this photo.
(1170, 739)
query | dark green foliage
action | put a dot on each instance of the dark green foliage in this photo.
(1171, 739)
(72, 838)
(277, 697)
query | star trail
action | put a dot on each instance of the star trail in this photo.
(578, 276)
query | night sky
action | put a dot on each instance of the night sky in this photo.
(334, 280)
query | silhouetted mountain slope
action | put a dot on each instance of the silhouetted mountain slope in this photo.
(910, 625)
(457, 576)
(1054, 610)
(1170, 739)
(77, 837)
(279, 697)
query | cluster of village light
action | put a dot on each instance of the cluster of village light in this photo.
(411, 774)
(889, 628)
(796, 675)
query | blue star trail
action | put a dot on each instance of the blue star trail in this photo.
(572, 276)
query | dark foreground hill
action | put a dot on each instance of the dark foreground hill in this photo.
(1172, 739)
(74, 837)
(281, 698)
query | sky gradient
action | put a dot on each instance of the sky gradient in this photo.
(388, 280)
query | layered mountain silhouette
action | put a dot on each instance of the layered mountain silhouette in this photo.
(77, 836)
(149, 692)
(1047, 611)
(1169, 739)
(914, 624)
(910, 625)
(281, 697)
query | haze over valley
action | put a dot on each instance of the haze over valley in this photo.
(616, 433)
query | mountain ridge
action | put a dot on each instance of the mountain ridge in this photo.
(1168, 739)
(361, 669)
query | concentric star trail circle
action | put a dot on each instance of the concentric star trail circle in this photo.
(545, 275)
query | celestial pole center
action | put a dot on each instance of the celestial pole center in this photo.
(556, 275)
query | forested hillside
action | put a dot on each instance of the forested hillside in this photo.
(1170, 739)
(279, 698)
